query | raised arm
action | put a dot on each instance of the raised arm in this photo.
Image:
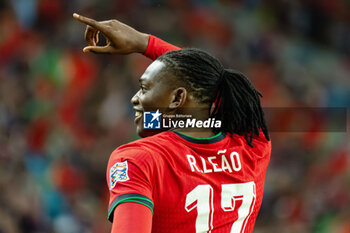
(157, 47)
(121, 39)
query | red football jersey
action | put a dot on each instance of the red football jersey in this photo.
(191, 184)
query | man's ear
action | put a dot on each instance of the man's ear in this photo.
(178, 98)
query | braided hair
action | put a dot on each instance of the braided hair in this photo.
(237, 102)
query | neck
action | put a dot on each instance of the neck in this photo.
(207, 133)
(199, 112)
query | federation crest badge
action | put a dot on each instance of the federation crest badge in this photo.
(119, 172)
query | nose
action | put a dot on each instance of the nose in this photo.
(135, 99)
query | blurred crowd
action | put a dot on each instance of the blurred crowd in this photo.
(62, 112)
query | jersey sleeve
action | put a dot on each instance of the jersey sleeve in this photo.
(129, 179)
(132, 217)
(157, 47)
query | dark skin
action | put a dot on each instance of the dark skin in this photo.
(161, 90)
(158, 88)
(120, 38)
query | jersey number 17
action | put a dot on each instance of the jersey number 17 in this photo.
(201, 197)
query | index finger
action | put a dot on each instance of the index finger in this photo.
(88, 21)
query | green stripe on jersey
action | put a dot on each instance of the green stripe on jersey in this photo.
(217, 135)
(130, 197)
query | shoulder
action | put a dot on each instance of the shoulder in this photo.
(261, 146)
(145, 147)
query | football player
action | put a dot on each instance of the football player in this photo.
(208, 180)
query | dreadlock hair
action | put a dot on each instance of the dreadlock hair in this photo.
(237, 102)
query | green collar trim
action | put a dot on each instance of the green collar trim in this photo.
(217, 135)
(216, 138)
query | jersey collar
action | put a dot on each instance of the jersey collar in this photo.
(216, 138)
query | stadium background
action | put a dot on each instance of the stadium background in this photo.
(62, 112)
